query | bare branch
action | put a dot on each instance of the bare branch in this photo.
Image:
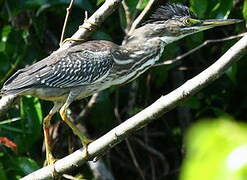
(127, 15)
(143, 118)
(130, 149)
(88, 107)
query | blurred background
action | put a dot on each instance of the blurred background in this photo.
(30, 30)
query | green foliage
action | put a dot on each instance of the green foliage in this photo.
(30, 110)
(215, 9)
(199, 7)
(245, 10)
(216, 150)
(30, 30)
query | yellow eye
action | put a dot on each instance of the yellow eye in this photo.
(187, 21)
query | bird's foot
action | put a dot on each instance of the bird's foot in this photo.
(90, 26)
(85, 142)
(50, 159)
(72, 39)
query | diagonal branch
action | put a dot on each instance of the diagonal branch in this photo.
(95, 20)
(143, 118)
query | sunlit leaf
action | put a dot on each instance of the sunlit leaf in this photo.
(222, 9)
(99, 2)
(245, 10)
(142, 4)
(216, 150)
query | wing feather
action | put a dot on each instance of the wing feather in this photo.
(79, 65)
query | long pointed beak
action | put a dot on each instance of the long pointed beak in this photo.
(219, 22)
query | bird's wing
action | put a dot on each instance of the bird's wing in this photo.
(77, 68)
(82, 64)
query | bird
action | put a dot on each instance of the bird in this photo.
(92, 66)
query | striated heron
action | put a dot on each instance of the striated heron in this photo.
(92, 66)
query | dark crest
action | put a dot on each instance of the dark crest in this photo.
(170, 11)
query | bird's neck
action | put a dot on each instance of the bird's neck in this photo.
(143, 39)
(147, 34)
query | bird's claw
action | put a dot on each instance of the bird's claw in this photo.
(90, 26)
(85, 143)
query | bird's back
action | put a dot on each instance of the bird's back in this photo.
(78, 65)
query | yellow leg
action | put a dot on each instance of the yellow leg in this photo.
(75, 130)
(46, 125)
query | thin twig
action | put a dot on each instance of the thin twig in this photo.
(66, 20)
(152, 168)
(178, 58)
(130, 149)
(88, 107)
(140, 17)
(132, 154)
(8, 10)
(156, 153)
(67, 176)
(127, 15)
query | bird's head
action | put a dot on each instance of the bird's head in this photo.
(174, 21)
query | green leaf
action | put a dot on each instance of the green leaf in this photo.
(32, 115)
(142, 4)
(4, 37)
(199, 7)
(5, 32)
(2, 172)
(99, 2)
(232, 73)
(219, 112)
(4, 65)
(216, 150)
(36, 3)
(222, 9)
(25, 165)
(193, 102)
(245, 10)
(101, 35)
(122, 18)
(102, 113)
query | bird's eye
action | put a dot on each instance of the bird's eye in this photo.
(187, 21)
